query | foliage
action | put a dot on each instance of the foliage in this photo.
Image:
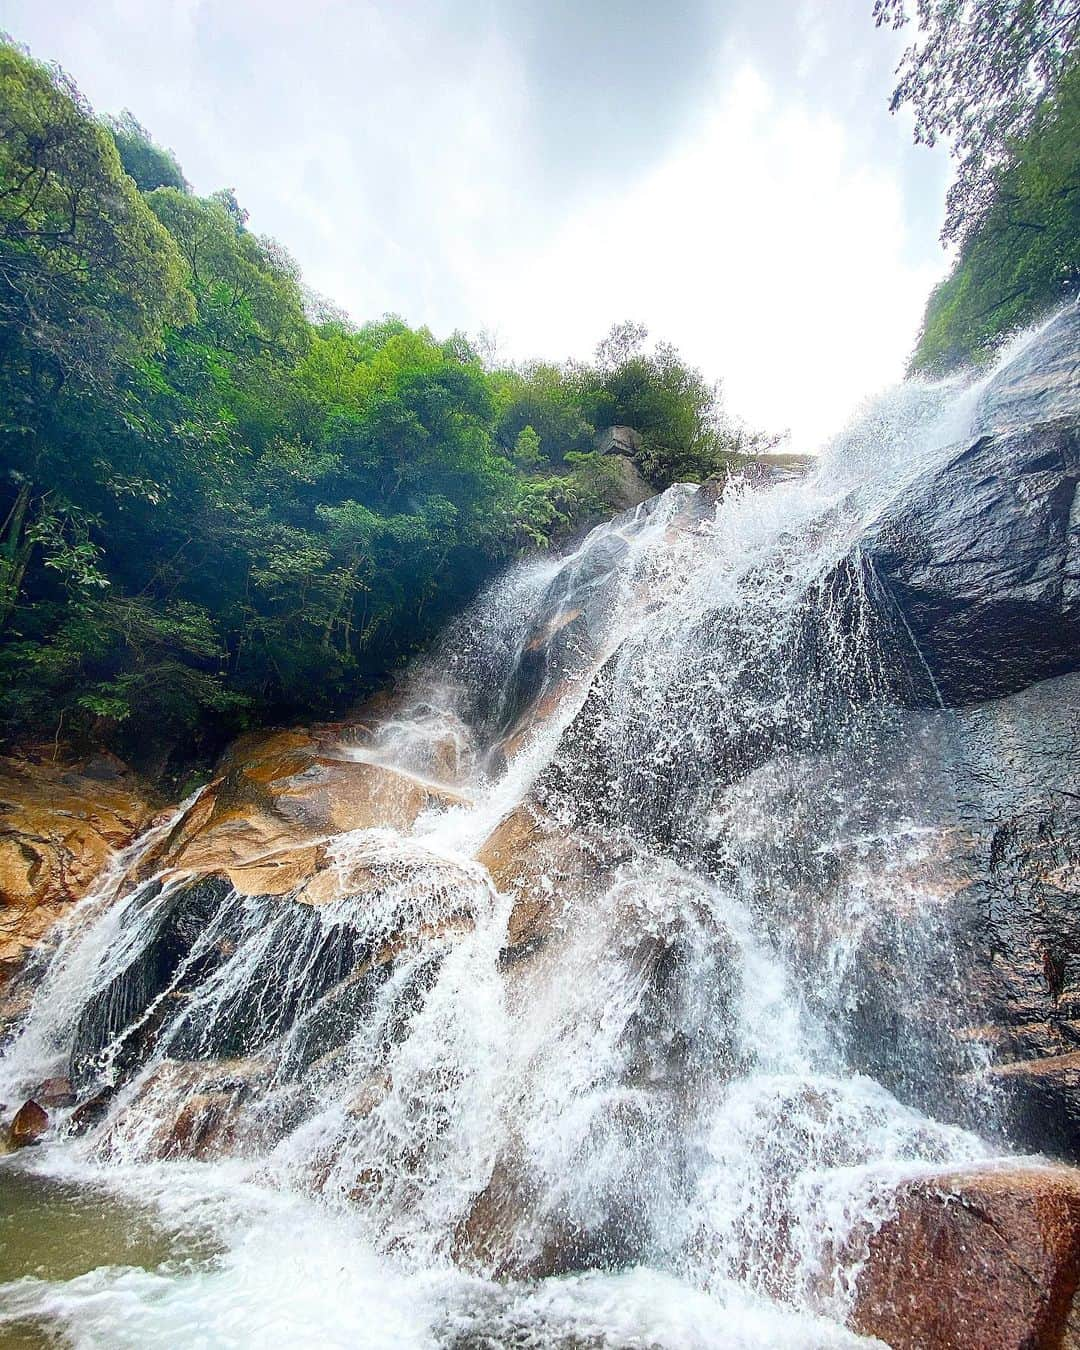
(220, 502)
(1025, 256)
(88, 276)
(977, 75)
(149, 164)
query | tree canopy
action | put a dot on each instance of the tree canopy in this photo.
(220, 501)
(976, 75)
(1025, 256)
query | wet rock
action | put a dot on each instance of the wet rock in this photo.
(56, 1093)
(277, 796)
(186, 1110)
(91, 1112)
(568, 639)
(126, 1015)
(985, 1260)
(1041, 383)
(60, 825)
(1018, 914)
(981, 557)
(543, 866)
(28, 1125)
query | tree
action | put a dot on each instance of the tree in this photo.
(527, 452)
(217, 509)
(88, 281)
(88, 277)
(143, 159)
(1025, 256)
(977, 74)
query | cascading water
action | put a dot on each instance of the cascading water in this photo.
(671, 1117)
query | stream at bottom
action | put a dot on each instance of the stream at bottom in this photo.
(170, 1255)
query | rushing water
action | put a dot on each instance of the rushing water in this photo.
(674, 1121)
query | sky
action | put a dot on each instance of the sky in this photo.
(533, 171)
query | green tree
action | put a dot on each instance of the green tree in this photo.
(222, 503)
(143, 159)
(1025, 256)
(88, 281)
(977, 75)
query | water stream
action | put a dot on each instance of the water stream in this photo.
(674, 1117)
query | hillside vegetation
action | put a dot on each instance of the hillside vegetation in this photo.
(1021, 257)
(221, 502)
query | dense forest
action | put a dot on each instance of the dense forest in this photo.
(1000, 80)
(223, 503)
(1023, 257)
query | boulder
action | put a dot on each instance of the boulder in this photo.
(61, 824)
(56, 1093)
(186, 1110)
(983, 1260)
(626, 488)
(981, 557)
(276, 797)
(28, 1125)
(618, 441)
(91, 1112)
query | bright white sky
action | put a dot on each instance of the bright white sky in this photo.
(726, 173)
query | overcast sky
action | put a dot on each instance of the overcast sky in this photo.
(726, 173)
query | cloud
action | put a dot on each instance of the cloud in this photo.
(727, 173)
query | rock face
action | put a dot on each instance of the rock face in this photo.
(989, 1260)
(618, 441)
(982, 557)
(277, 796)
(60, 826)
(978, 566)
(1018, 845)
(627, 488)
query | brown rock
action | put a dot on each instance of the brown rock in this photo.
(30, 1122)
(981, 1260)
(529, 857)
(188, 1109)
(278, 797)
(60, 826)
(279, 873)
(56, 1092)
(91, 1112)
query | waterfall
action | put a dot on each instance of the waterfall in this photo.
(655, 1078)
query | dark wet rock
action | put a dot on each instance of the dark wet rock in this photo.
(1041, 383)
(981, 557)
(573, 620)
(1016, 774)
(983, 561)
(91, 1112)
(28, 1125)
(125, 1017)
(962, 991)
